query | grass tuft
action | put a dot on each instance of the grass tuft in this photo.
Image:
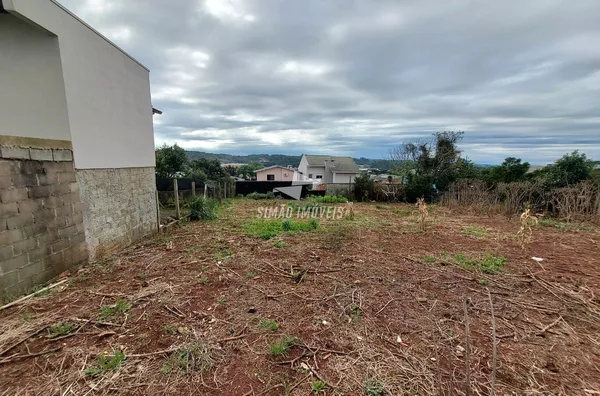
(198, 356)
(61, 329)
(268, 324)
(318, 386)
(203, 208)
(121, 306)
(282, 347)
(105, 364)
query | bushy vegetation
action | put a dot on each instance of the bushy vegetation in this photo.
(364, 187)
(203, 208)
(173, 161)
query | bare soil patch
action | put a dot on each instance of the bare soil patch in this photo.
(369, 306)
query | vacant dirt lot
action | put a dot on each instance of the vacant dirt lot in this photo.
(363, 306)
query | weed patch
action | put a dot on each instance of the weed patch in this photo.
(121, 306)
(478, 232)
(268, 229)
(105, 364)
(318, 386)
(338, 235)
(373, 387)
(197, 356)
(203, 208)
(330, 199)
(61, 329)
(488, 263)
(282, 347)
(280, 244)
(562, 226)
(268, 324)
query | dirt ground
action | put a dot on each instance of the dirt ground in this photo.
(369, 306)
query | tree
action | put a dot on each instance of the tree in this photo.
(511, 170)
(431, 166)
(364, 187)
(171, 161)
(207, 170)
(569, 169)
(247, 171)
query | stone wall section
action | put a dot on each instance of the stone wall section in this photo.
(119, 207)
(41, 218)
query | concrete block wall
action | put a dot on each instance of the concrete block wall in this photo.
(41, 218)
(119, 207)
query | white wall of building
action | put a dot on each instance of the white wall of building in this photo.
(343, 177)
(107, 91)
(279, 174)
(32, 92)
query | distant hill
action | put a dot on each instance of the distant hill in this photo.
(278, 159)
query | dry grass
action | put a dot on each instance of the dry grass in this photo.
(366, 319)
(525, 233)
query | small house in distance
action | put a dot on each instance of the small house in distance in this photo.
(328, 169)
(278, 173)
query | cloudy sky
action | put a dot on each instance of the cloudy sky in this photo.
(356, 77)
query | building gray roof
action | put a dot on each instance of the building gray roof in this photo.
(336, 164)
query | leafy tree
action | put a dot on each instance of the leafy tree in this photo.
(247, 171)
(511, 170)
(207, 169)
(431, 166)
(364, 187)
(570, 169)
(171, 161)
(231, 170)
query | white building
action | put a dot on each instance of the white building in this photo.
(328, 169)
(76, 144)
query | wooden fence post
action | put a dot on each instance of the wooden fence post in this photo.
(157, 212)
(176, 192)
(205, 190)
(193, 189)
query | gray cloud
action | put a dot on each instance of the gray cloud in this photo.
(357, 77)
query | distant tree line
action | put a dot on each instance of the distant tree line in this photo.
(429, 168)
(173, 161)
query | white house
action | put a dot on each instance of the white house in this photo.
(328, 169)
(278, 173)
(76, 144)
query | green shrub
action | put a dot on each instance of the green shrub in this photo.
(364, 187)
(203, 208)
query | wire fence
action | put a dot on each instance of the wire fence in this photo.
(173, 202)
